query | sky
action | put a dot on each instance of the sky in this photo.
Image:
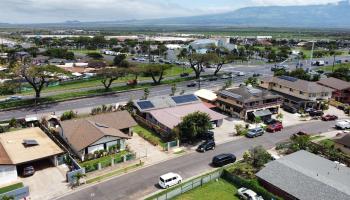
(44, 11)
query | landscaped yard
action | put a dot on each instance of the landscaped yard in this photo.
(10, 188)
(105, 159)
(220, 189)
(149, 135)
(337, 66)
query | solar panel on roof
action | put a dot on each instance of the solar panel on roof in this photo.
(145, 105)
(30, 142)
(230, 94)
(288, 78)
(185, 99)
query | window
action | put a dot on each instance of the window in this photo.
(290, 89)
(280, 86)
(302, 93)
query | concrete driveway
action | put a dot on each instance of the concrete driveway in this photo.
(47, 182)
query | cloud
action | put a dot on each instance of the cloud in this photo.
(291, 2)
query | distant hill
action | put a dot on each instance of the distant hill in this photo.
(317, 16)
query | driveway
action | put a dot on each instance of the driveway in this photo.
(47, 182)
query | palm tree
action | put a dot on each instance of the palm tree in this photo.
(78, 176)
(257, 120)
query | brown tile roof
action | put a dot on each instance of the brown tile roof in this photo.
(81, 133)
(4, 157)
(300, 85)
(335, 83)
(345, 140)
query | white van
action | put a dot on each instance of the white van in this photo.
(343, 124)
(169, 179)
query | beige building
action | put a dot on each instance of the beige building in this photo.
(297, 93)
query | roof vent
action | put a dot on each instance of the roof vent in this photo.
(101, 125)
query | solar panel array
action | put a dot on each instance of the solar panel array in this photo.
(30, 142)
(230, 94)
(288, 78)
(185, 99)
(144, 105)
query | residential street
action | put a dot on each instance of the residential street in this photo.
(143, 182)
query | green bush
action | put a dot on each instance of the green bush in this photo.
(68, 115)
(252, 184)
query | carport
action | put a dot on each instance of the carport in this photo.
(263, 114)
(26, 147)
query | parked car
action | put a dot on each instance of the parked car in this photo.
(248, 194)
(169, 179)
(316, 113)
(329, 117)
(28, 171)
(192, 84)
(184, 74)
(255, 132)
(240, 74)
(274, 127)
(223, 159)
(13, 98)
(271, 121)
(207, 145)
(343, 124)
(300, 133)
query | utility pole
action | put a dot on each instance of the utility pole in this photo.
(312, 52)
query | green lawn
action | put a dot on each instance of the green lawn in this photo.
(85, 51)
(11, 187)
(221, 190)
(327, 142)
(337, 66)
(104, 159)
(149, 135)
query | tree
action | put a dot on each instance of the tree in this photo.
(257, 120)
(196, 60)
(119, 58)
(77, 177)
(145, 93)
(334, 54)
(5, 197)
(60, 53)
(109, 75)
(173, 89)
(95, 55)
(38, 76)
(341, 73)
(253, 81)
(300, 142)
(258, 157)
(194, 125)
(156, 71)
(219, 57)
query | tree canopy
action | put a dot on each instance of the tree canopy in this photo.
(109, 75)
(194, 125)
(156, 71)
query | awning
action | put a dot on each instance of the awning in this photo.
(262, 113)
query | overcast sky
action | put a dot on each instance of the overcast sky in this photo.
(41, 11)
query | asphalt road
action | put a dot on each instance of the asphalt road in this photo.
(108, 99)
(143, 182)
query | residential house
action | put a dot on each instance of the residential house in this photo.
(298, 94)
(27, 146)
(341, 89)
(343, 143)
(207, 96)
(248, 102)
(88, 135)
(167, 112)
(306, 176)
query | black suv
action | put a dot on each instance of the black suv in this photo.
(316, 113)
(207, 145)
(223, 159)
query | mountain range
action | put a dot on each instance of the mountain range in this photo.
(310, 16)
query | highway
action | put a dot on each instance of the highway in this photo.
(140, 183)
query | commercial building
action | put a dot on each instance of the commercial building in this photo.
(298, 94)
(247, 102)
(341, 89)
(306, 176)
(23, 148)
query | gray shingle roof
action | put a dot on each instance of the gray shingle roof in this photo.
(308, 177)
(248, 94)
(335, 83)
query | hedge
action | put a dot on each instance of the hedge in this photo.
(252, 184)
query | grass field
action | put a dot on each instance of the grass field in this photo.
(220, 189)
(148, 135)
(10, 188)
(337, 66)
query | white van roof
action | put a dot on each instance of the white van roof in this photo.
(168, 175)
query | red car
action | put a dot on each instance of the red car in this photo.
(329, 117)
(274, 127)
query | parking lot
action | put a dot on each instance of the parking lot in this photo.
(47, 182)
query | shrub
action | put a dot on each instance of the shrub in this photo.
(240, 129)
(68, 115)
(13, 123)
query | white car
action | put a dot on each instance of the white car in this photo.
(343, 124)
(247, 194)
(13, 98)
(169, 179)
(240, 74)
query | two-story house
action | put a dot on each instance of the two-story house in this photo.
(247, 102)
(341, 89)
(298, 94)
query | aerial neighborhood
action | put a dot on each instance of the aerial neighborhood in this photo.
(216, 106)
